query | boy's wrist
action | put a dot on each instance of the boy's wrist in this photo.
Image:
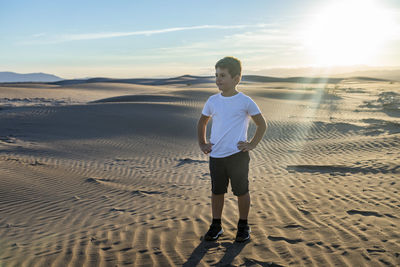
(253, 145)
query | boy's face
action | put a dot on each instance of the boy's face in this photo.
(224, 80)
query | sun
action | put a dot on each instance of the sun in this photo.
(347, 33)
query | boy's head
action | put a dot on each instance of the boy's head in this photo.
(232, 64)
(228, 73)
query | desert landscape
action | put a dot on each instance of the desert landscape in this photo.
(108, 172)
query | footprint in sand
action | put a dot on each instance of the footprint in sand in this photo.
(369, 213)
(288, 240)
(144, 192)
(293, 226)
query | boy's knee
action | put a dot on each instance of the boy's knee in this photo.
(218, 194)
(241, 194)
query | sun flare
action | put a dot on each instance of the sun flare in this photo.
(348, 33)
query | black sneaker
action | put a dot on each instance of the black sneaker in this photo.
(243, 233)
(214, 232)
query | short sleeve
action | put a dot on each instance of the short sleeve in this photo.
(252, 108)
(207, 108)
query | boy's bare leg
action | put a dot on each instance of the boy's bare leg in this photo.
(217, 203)
(244, 206)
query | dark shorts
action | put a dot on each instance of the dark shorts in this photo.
(235, 168)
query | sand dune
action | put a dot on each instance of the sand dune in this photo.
(113, 176)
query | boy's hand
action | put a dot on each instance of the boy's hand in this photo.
(206, 148)
(245, 146)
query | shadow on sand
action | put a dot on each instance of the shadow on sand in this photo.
(232, 250)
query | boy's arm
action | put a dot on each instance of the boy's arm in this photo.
(260, 131)
(201, 134)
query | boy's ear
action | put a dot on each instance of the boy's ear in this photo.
(237, 78)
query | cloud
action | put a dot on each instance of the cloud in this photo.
(93, 36)
(264, 41)
(37, 35)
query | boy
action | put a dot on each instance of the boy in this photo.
(229, 150)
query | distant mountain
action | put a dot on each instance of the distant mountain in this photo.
(12, 77)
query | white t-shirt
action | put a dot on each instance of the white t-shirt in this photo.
(230, 121)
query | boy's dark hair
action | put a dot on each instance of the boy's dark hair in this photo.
(232, 64)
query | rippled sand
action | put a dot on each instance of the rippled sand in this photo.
(110, 174)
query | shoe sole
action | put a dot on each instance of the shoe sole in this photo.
(212, 238)
(243, 240)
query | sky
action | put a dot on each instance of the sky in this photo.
(124, 39)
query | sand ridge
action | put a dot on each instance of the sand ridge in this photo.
(114, 177)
